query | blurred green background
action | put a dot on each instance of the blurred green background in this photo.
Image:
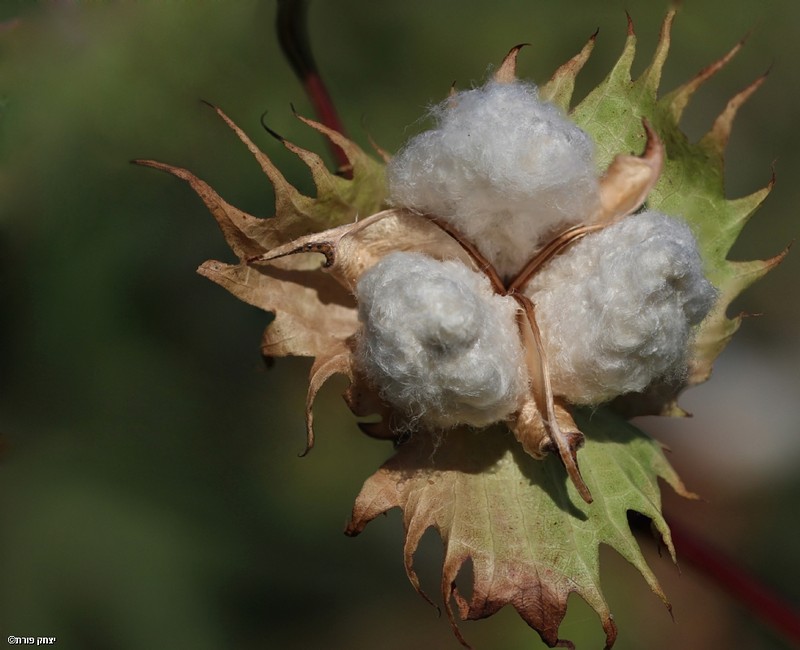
(150, 490)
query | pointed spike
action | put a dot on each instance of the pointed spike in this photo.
(651, 78)
(452, 565)
(323, 243)
(332, 185)
(337, 362)
(748, 272)
(235, 224)
(562, 84)
(610, 628)
(717, 138)
(740, 276)
(741, 210)
(324, 180)
(507, 72)
(269, 130)
(452, 97)
(621, 72)
(292, 207)
(674, 410)
(415, 530)
(384, 155)
(616, 82)
(285, 193)
(677, 100)
(326, 248)
(352, 151)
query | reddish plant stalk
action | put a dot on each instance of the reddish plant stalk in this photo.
(292, 26)
(744, 587)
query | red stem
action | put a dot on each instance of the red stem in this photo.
(738, 583)
(292, 28)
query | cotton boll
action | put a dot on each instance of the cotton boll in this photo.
(440, 345)
(617, 309)
(503, 167)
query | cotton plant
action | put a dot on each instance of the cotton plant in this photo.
(504, 292)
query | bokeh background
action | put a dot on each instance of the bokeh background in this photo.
(150, 490)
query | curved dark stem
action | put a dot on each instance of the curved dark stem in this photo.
(480, 261)
(556, 246)
(292, 26)
(720, 569)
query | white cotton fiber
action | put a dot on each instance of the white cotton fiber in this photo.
(503, 167)
(440, 345)
(617, 309)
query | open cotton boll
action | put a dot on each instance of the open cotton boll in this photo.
(440, 345)
(617, 309)
(503, 167)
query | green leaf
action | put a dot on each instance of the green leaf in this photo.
(691, 185)
(530, 537)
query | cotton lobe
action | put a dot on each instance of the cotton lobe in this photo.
(503, 167)
(440, 345)
(617, 309)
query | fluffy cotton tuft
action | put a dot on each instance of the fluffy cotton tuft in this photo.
(618, 308)
(440, 345)
(503, 167)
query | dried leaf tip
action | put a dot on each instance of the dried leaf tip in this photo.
(678, 99)
(268, 129)
(717, 138)
(507, 72)
(562, 84)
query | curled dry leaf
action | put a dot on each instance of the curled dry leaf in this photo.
(531, 529)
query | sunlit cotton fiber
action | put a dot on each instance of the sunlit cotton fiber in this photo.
(503, 167)
(440, 345)
(617, 309)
